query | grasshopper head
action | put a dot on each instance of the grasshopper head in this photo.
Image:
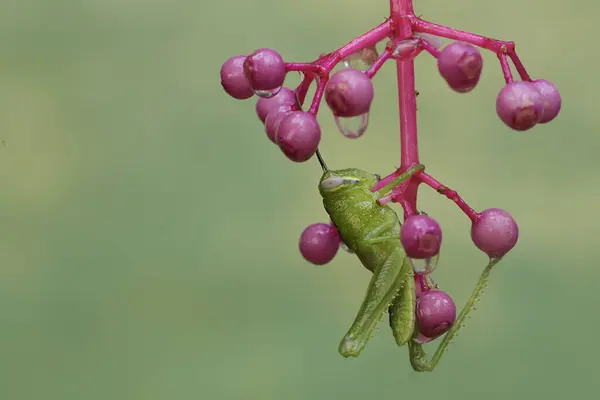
(345, 180)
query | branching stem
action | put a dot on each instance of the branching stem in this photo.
(401, 25)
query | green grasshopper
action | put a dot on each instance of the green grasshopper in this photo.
(372, 232)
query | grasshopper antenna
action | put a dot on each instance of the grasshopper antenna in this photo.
(321, 161)
(319, 156)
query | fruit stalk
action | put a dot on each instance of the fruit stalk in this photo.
(400, 10)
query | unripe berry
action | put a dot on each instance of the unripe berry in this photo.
(495, 232)
(520, 105)
(349, 93)
(233, 80)
(264, 69)
(421, 236)
(299, 135)
(274, 119)
(460, 64)
(552, 99)
(319, 243)
(285, 97)
(435, 312)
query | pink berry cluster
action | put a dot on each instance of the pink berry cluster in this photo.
(349, 94)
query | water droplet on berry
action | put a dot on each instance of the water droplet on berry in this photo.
(353, 127)
(267, 94)
(404, 49)
(422, 339)
(424, 266)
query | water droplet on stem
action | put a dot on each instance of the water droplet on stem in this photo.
(404, 49)
(362, 59)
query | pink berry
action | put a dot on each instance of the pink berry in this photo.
(274, 119)
(520, 105)
(265, 69)
(421, 236)
(552, 99)
(264, 105)
(298, 136)
(349, 93)
(495, 232)
(436, 313)
(233, 80)
(319, 243)
(460, 64)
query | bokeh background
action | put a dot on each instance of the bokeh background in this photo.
(148, 228)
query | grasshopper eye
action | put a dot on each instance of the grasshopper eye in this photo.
(331, 182)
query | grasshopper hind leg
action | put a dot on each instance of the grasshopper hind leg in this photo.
(402, 311)
(387, 281)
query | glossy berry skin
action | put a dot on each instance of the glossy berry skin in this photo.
(520, 105)
(285, 97)
(460, 64)
(435, 312)
(264, 69)
(319, 243)
(274, 119)
(495, 232)
(421, 236)
(349, 93)
(552, 99)
(299, 135)
(233, 80)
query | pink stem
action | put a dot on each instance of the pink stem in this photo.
(497, 46)
(519, 65)
(304, 67)
(302, 89)
(398, 195)
(367, 39)
(408, 197)
(385, 199)
(400, 9)
(429, 48)
(421, 280)
(386, 181)
(314, 107)
(383, 57)
(508, 77)
(449, 193)
(407, 103)
(494, 45)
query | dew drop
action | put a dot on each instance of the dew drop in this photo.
(265, 94)
(362, 59)
(422, 339)
(433, 40)
(404, 49)
(424, 266)
(353, 127)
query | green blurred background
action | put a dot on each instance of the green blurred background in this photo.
(148, 228)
